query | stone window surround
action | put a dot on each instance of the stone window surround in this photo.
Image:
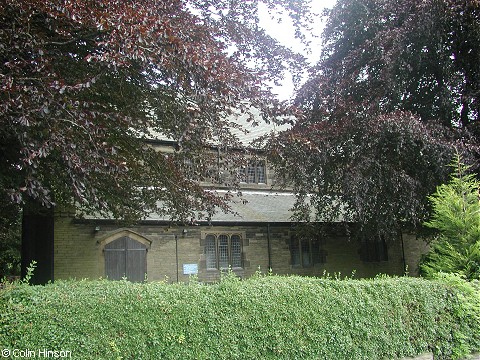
(308, 247)
(216, 232)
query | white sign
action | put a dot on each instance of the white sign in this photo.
(190, 269)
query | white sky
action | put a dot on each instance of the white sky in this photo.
(284, 33)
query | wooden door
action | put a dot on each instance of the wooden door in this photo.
(125, 257)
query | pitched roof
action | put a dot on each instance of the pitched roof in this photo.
(252, 207)
(254, 129)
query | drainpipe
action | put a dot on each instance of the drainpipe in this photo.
(176, 253)
(269, 248)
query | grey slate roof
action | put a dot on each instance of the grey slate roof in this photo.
(253, 129)
(256, 206)
(253, 206)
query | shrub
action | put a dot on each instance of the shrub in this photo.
(265, 317)
(456, 219)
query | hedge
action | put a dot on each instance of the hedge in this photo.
(264, 317)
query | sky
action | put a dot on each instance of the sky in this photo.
(284, 33)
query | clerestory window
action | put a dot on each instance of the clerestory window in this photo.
(254, 172)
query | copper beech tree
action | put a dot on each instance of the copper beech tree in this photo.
(396, 89)
(84, 84)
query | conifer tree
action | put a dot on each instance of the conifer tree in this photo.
(456, 218)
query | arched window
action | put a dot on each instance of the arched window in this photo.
(125, 258)
(223, 250)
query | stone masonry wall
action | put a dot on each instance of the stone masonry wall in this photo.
(78, 251)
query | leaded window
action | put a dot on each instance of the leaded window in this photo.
(373, 249)
(223, 251)
(254, 172)
(306, 252)
(205, 169)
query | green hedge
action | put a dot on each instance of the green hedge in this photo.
(265, 317)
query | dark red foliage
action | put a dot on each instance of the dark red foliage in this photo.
(83, 83)
(396, 90)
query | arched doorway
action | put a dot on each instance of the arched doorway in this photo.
(125, 257)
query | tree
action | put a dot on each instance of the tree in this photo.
(10, 239)
(85, 83)
(373, 172)
(385, 56)
(456, 220)
(395, 91)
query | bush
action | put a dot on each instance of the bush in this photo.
(265, 317)
(456, 219)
